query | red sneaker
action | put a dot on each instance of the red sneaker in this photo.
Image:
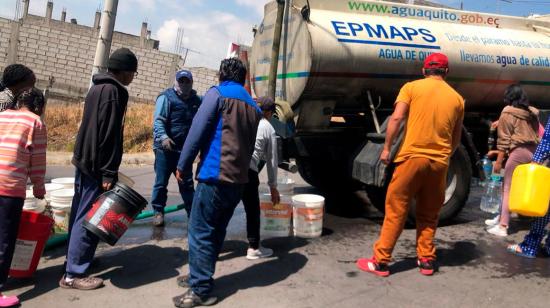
(373, 266)
(426, 266)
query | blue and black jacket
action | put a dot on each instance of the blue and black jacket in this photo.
(173, 117)
(224, 131)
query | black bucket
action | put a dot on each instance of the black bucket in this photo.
(113, 212)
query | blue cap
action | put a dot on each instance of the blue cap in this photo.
(184, 74)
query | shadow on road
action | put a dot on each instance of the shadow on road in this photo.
(461, 253)
(273, 270)
(126, 269)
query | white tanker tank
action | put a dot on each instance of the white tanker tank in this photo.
(336, 52)
(349, 46)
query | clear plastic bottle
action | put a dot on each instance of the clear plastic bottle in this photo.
(490, 201)
(487, 166)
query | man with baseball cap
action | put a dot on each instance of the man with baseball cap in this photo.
(174, 112)
(433, 112)
(97, 157)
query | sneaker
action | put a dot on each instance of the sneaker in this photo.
(426, 266)
(373, 266)
(261, 252)
(83, 283)
(498, 230)
(183, 281)
(158, 220)
(8, 301)
(492, 222)
(190, 299)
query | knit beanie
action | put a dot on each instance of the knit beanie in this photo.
(123, 59)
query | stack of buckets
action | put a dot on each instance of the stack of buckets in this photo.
(300, 215)
(60, 201)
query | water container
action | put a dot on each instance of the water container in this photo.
(113, 212)
(67, 183)
(285, 185)
(275, 220)
(487, 166)
(50, 187)
(490, 201)
(308, 215)
(530, 190)
(34, 230)
(60, 202)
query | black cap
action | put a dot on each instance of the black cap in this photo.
(266, 103)
(123, 59)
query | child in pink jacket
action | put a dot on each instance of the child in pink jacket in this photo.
(22, 156)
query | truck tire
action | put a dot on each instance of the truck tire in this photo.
(456, 194)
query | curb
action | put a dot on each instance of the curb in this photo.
(133, 159)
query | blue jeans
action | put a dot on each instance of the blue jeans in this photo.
(166, 163)
(212, 209)
(82, 243)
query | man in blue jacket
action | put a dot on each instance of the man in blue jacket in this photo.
(224, 131)
(174, 112)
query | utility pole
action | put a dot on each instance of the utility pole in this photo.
(105, 39)
(272, 86)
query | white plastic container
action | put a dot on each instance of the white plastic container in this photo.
(50, 187)
(308, 215)
(67, 183)
(61, 201)
(275, 220)
(33, 204)
(285, 185)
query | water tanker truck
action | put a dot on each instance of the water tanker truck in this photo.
(342, 63)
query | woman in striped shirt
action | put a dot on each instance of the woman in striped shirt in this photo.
(22, 156)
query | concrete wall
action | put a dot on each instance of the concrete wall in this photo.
(5, 32)
(65, 51)
(203, 78)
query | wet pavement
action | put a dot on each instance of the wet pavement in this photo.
(140, 271)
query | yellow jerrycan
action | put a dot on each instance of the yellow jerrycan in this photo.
(530, 190)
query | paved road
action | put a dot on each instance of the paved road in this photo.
(475, 271)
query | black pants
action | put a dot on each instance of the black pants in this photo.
(10, 215)
(251, 202)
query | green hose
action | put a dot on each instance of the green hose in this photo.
(60, 239)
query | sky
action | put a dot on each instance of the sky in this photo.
(210, 25)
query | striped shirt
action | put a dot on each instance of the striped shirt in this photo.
(23, 143)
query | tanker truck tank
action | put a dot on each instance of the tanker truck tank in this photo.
(334, 53)
(348, 46)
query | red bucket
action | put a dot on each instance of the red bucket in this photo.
(34, 231)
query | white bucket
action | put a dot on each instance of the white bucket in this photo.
(67, 183)
(308, 215)
(275, 220)
(61, 201)
(50, 187)
(285, 186)
(32, 204)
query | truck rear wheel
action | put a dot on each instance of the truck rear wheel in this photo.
(456, 193)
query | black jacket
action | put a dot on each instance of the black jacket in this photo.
(98, 148)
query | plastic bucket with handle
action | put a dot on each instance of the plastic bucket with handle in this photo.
(113, 212)
(34, 231)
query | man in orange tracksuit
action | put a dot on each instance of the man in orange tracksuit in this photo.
(433, 112)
